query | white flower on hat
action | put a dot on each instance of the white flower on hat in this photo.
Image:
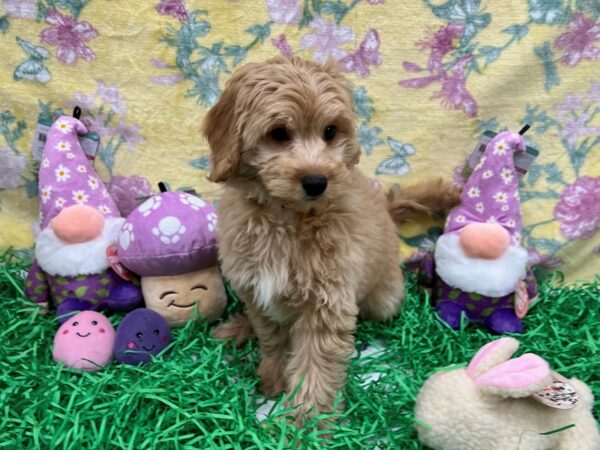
(479, 207)
(474, 192)
(492, 219)
(504, 208)
(510, 223)
(500, 148)
(460, 218)
(507, 175)
(80, 197)
(501, 197)
(105, 193)
(81, 168)
(93, 183)
(46, 163)
(212, 221)
(45, 193)
(517, 238)
(104, 209)
(480, 163)
(487, 174)
(63, 126)
(62, 146)
(60, 202)
(62, 173)
(70, 155)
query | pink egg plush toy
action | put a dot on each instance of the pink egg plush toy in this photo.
(85, 342)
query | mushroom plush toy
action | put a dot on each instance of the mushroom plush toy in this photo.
(170, 242)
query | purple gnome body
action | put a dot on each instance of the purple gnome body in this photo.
(479, 267)
(78, 222)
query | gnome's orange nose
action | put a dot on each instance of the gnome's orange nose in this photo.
(484, 240)
(78, 223)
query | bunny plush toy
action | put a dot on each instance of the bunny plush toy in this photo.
(499, 403)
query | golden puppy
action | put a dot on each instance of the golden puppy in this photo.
(306, 240)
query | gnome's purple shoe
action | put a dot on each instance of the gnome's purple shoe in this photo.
(124, 297)
(504, 321)
(69, 307)
(450, 313)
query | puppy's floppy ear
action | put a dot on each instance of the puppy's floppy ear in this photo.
(221, 130)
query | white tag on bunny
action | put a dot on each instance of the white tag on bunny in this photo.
(521, 300)
(559, 394)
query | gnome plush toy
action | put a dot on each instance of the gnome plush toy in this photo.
(78, 222)
(479, 267)
(171, 243)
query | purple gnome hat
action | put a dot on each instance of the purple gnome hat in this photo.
(67, 177)
(491, 193)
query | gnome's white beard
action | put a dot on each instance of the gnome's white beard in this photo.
(492, 278)
(58, 258)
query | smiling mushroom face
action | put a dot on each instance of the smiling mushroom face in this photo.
(180, 298)
(85, 341)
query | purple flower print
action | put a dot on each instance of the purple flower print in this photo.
(168, 80)
(594, 92)
(69, 36)
(453, 92)
(375, 2)
(571, 103)
(535, 258)
(23, 9)
(596, 251)
(126, 192)
(575, 126)
(173, 8)
(98, 124)
(283, 45)
(578, 42)
(12, 166)
(286, 12)
(130, 133)
(366, 55)
(326, 40)
(578, 209)
(110, 96)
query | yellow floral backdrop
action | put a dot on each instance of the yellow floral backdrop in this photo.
(429, 78)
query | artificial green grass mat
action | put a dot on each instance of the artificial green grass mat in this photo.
(204, 393)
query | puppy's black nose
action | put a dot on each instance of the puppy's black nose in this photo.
(314, 185)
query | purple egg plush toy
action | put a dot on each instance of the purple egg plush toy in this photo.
(142, 333)
(171, 243)
(85, 341)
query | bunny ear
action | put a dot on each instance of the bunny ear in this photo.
(491, 355)
(516, 378)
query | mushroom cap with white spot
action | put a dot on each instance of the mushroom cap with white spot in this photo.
(171, 233)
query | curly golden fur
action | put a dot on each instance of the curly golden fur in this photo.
(305, 266)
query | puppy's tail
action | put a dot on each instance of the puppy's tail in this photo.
(428, 197)
(238, 328)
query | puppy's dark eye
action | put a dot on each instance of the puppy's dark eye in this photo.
(94, 323)
(139, 334)
(329, 132)
(280, 134)
(156, 332)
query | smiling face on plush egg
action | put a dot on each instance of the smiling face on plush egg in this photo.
(85, 341)
(141, 334)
